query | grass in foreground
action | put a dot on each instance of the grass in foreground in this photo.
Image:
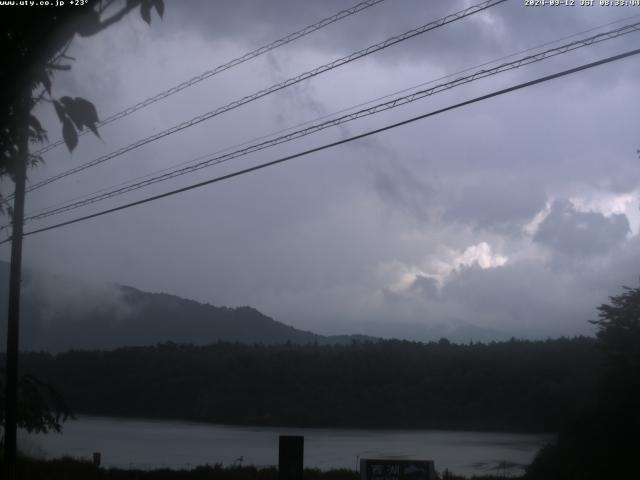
(73, 469)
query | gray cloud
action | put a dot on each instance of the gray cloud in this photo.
(404, 191)
(427, 286)
(351, 238)
(493, 201)
(575, 233)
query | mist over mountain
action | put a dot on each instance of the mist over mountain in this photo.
(60, 313)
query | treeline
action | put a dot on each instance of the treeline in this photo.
(515, 385)
(73, 469)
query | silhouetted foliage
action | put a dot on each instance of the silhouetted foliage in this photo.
(516, 385)
(34, 42)
(72, 469)
(41, 408)
(619, 339)
(604, 442)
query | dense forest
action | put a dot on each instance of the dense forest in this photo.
(515, 385)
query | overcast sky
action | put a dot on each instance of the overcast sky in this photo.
(518, 215)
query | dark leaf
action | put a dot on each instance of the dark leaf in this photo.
(88, 23)
(145, 11)
(35, 124)
(86, 110)
(159, 4)
(132, 3)
(72, 111)
(69, 134)
(94, 129)
(60, 111)
(66, 101)
(82, 112)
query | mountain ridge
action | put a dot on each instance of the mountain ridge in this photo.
(77, 316)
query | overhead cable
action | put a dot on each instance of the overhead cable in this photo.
(330, 115)
(339, 142)
(394, 103)
(225, 66)
(276, 87)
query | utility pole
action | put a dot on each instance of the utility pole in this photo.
(13, 323)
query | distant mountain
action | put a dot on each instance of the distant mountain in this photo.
(454, 330)
(61, 313)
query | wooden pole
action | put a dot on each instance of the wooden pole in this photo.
(291, 457)
(13, 323)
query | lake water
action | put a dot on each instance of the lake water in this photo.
(145, 444)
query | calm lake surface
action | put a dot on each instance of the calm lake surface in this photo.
(149, 444)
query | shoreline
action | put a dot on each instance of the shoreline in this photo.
(335, 427)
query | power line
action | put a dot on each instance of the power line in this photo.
(329, 115)
(230, 64)
(339, 142)
(276, 87)
(397, 102)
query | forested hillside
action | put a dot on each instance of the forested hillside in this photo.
(60, 313)
(516, 385)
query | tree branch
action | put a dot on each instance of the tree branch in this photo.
(51, 66)
(116, 17)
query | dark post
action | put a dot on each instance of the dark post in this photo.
(291, 457)
(11, 365)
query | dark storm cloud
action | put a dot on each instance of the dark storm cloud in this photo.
(494, 201)
(499, 31)
(523, 294)
(406, 192)
(575, 233)
(427, 286)
(530, 298)
(255, 23)
(307, 241)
